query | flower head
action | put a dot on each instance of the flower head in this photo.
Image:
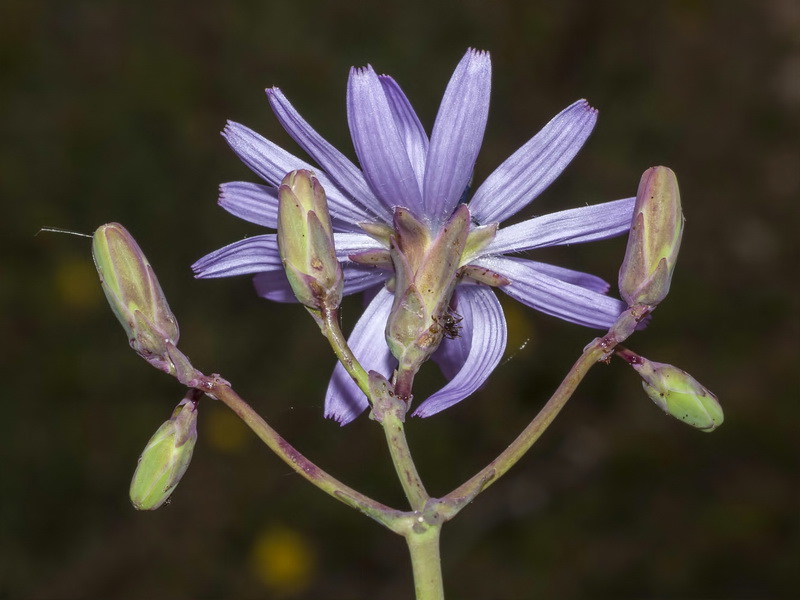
(390, 216)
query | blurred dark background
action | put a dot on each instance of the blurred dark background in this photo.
(111, 111)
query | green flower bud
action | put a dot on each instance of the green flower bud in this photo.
(305, 241)
(133, 291)
(166, 457)
(677, 393)
(654, 239)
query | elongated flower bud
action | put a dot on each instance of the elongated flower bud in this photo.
(305, 241)
(166, 457)
(654, 239)
(677, 393)
(133, 291)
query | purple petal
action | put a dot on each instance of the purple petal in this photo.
(408, 124)
(527, 172)
(553, 296)
(338, 167)
(272, 163)
(352, 243)
(573, 226)
(250, 201)
(369, 295)
(344, 401)
(359, 278)
(475, 353)
(379, 145)
(457, 135)
(250, 255)
(452, 353)
(584, 280)
(274, 286)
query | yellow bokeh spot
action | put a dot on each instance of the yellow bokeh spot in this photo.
(283, 560)
(77, 284)
(225, 431)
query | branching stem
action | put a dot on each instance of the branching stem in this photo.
(217, 388)
(600, 349)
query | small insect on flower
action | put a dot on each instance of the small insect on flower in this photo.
(450, 324)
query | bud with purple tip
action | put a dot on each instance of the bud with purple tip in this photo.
(654, 239)
(676, 392)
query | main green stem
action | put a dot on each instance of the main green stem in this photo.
(425, 562)
(389, 405)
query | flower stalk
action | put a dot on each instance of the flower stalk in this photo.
(394, 430)
(218, 388)
(595, 352)
(329, 324)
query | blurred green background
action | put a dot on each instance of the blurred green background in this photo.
(111, 112)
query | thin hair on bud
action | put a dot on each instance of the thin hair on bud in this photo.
(59, 230)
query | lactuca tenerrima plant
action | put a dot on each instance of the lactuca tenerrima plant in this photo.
(405, 230)
(415, 190)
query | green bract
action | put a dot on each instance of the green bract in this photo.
(165, 458)
(654, 239)
(426, 273)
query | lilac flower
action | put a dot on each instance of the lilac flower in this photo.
(402, 167)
